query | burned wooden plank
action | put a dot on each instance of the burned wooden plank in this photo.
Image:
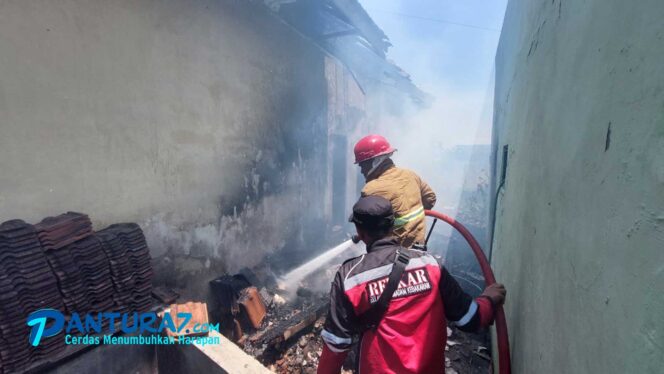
(280, 332)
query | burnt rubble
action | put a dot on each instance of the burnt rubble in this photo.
(285, 323)
(303, 355)
(288, 340)
(257, 316)
(467, 352)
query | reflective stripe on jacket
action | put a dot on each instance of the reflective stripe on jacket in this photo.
(411, 336)
(412, 216)
(409, 196)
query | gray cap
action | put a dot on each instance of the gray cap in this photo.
(372, 212)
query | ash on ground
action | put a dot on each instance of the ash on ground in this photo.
(288, 340)
(467, 353)
(302, 357)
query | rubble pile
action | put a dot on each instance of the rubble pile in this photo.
(285, 321)
(26, 285)
(254, 312)
(302, 357)
(466, 352)
(288, 339)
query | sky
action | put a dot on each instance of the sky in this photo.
(448, 48)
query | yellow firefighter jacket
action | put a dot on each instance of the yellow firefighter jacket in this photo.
(409, 196)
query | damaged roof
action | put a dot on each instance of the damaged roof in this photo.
(345, 30)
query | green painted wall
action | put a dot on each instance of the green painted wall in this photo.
(579, 235)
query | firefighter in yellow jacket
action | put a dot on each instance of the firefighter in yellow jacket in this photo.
(407, 192)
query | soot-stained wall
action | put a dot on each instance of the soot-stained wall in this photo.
(203, 121)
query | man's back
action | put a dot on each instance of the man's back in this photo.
(411, 336)
(409, 196)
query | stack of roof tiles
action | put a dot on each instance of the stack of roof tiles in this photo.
(56, 235)
(61, 264)
(127, 250)
(26, 285)
(92, 263)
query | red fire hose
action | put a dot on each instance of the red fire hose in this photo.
(501, 324)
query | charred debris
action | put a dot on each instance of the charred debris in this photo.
(282, 329)
(279, 327)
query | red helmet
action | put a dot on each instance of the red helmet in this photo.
(371, 146)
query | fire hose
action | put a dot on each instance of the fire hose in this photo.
(501, 325)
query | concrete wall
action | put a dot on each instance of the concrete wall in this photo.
(203, 121)
(225, 357)
(138, 359)
(347, 123)
(580, 225)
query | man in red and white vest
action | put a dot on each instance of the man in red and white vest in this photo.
(409, 333)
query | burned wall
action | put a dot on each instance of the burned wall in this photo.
(580, 217)
(203, 121)
(347, 123)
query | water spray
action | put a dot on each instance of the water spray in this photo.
(291, 280)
